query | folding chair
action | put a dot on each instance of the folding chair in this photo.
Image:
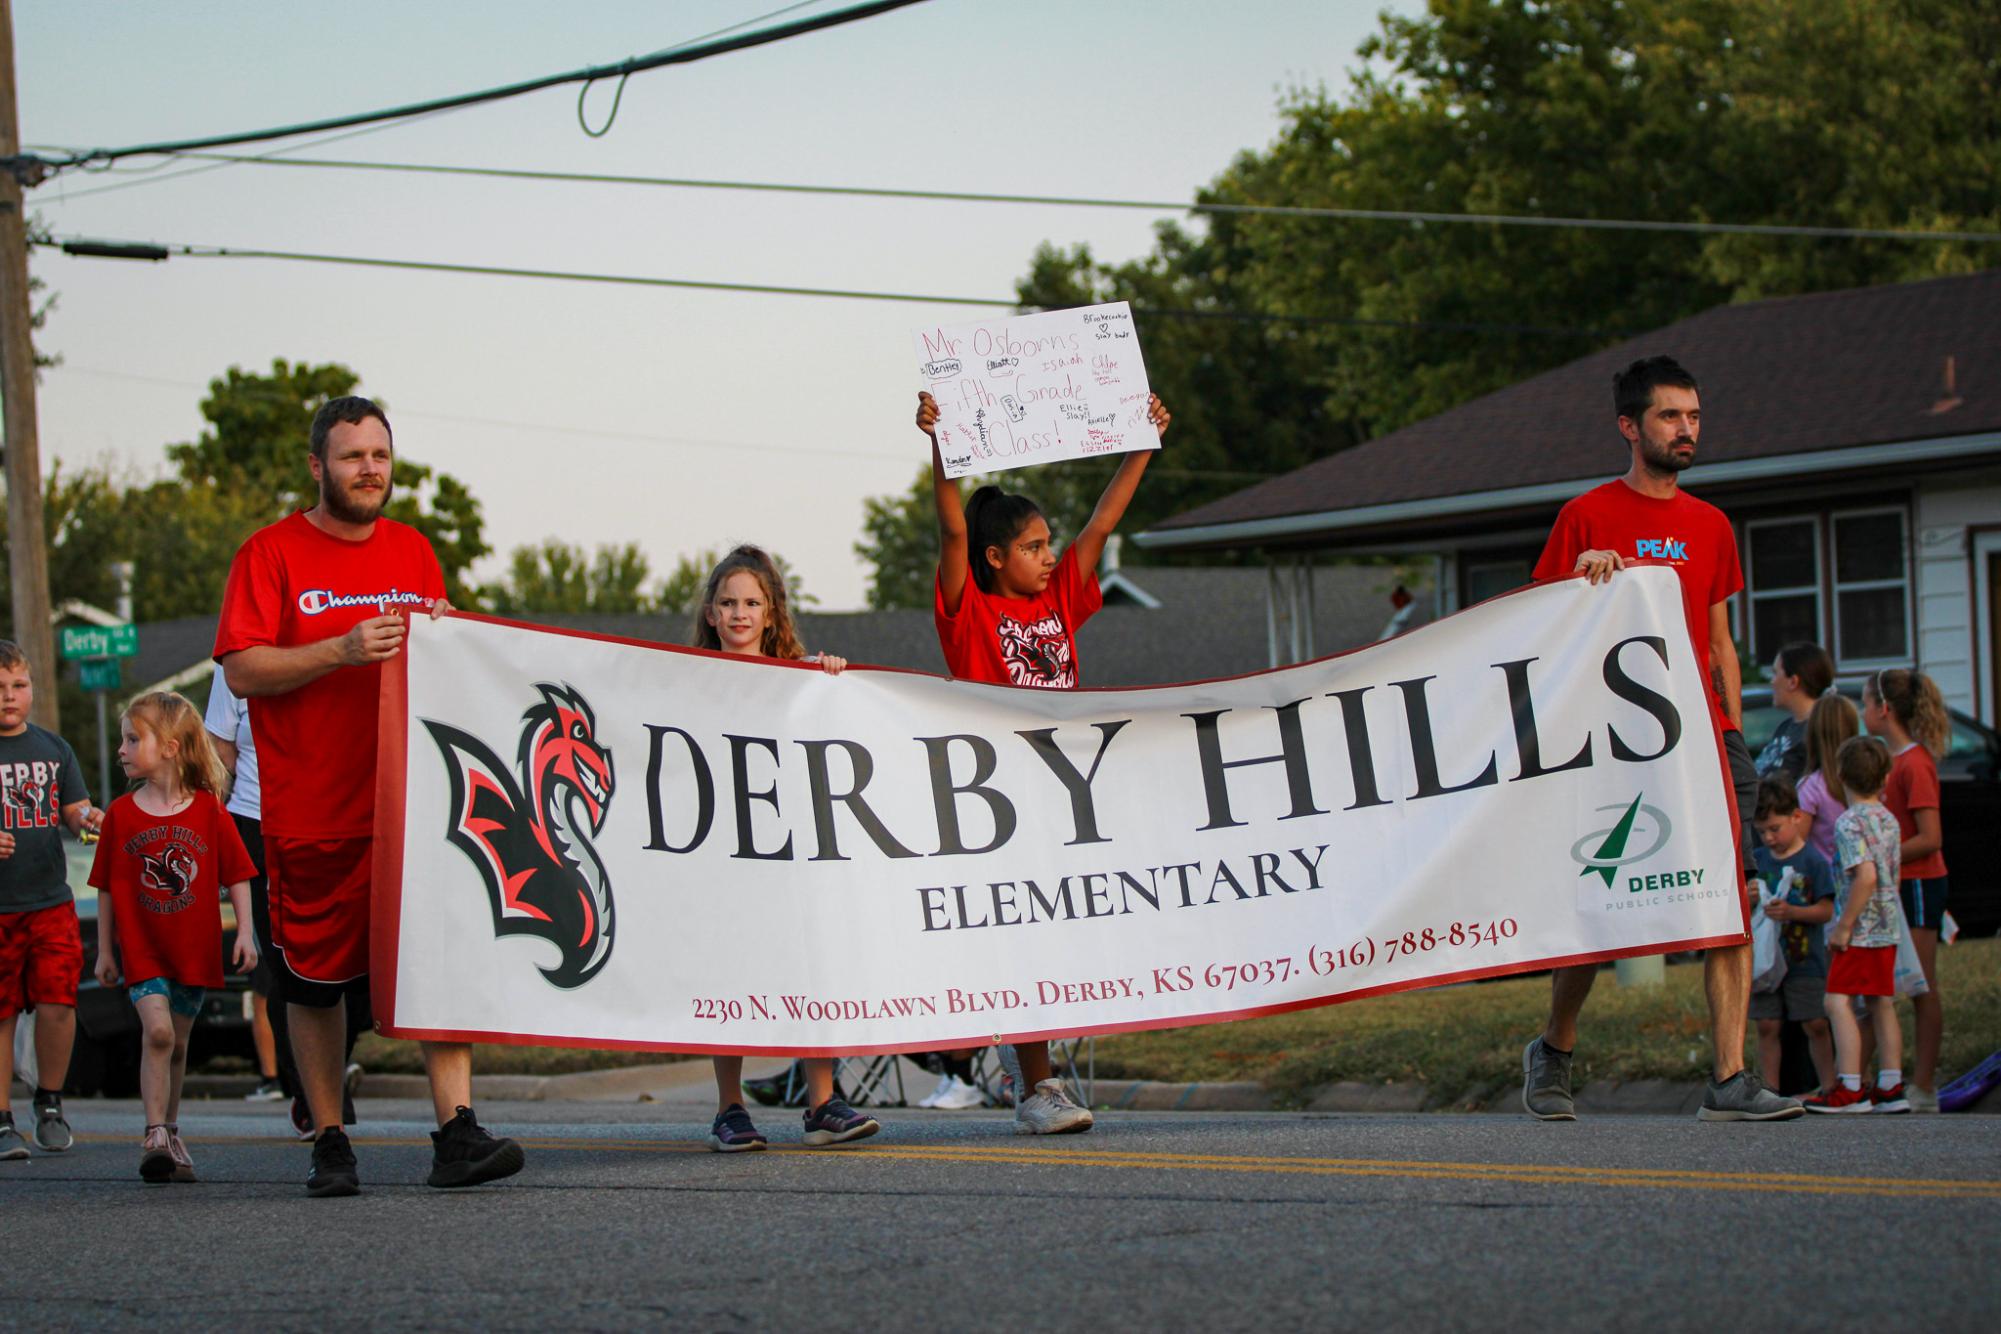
(994, 1067)
(868, 1080)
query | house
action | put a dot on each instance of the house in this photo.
(1853, 437)
(1159, 625)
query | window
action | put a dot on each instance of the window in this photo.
(1487, 578)
(1872, 594)
(1782, 572)
(1840, 578)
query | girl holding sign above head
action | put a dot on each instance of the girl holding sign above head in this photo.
(1007, 609)
(744, 610)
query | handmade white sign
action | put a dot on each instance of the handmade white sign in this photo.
(1028, 389)
(596, 842)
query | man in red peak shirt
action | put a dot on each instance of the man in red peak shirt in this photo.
(1645, 514)
(315, 605)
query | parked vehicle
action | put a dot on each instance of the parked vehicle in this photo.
(106, 1057)
(1969, 806)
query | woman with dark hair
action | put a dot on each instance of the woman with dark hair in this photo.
(1801, 674)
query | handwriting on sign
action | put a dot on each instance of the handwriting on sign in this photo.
(1031, 389)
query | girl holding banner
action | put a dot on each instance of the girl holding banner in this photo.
(744, 610)
(1007, 610)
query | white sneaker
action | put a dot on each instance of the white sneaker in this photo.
(955, 1095)
(1921, 1100)
(1050, 1110)
(945, 1083)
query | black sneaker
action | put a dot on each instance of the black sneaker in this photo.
(332, 1172)
(463, 1154)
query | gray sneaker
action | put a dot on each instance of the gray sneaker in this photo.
(1921, 1100)
(1744, 1097)
(1546, 1083)
(1050, 1110)
(12, 1146)
(52, 1133)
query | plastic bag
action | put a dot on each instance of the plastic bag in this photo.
(24, 1050)
(1910, 979)
(1768, 946)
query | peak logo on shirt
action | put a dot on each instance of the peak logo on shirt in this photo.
(1660, 548)
(316, 600)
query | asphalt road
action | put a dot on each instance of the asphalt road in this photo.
(948, 1221)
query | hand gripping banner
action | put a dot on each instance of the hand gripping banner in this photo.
(596, 842)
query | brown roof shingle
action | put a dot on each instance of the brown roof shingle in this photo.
(1825, 371)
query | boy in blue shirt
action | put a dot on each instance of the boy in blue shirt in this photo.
(1803, 884)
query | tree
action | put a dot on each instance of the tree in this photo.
(900, 539)
(1850, 113)
(249, 468)
(556, 576)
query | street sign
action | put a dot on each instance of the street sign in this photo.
(101, 674)
(99, 641)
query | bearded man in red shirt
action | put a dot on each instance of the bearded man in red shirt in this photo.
(1646, 515)
(315, 604)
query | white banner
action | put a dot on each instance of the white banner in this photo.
(602, 843)
(1029, 389)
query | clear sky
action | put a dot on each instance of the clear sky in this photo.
(677, 419)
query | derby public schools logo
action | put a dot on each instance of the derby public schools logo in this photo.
(1615, 844)
(531, 837)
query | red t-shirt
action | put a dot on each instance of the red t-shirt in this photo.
(1913, 787)
(164, 875)
(1019, 641)
(1691, 534)
(292, 584)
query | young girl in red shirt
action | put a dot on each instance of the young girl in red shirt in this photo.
(1906, 710)
(166, 850)
(1007, 611)
(744, 610)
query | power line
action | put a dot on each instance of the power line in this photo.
(29, 165)
(1147, 205)
(544, 430)
(219, 161)
(75, 245)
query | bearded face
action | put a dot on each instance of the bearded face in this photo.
(354, 477)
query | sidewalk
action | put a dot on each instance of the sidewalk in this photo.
(687, 1087)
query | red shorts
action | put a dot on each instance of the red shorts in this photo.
(319, 890)
(1862, 970)
(41, 958)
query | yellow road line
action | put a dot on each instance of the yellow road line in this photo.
(1078, 1155)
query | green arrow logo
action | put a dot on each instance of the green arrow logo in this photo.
(1606, 859)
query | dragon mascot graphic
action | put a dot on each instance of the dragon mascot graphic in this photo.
(531, 837)
(169, 877)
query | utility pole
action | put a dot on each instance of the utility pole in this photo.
(27, 545)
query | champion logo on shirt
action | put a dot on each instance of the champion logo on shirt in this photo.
(316, 600)
(1661, 548)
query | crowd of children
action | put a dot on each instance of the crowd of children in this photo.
(1853, 867)
(1851, 857)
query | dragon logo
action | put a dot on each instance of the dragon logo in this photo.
(25, 799)
(531, 836)
(1038, 654)
(170, 876)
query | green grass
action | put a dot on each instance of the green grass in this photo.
(1463, 1042)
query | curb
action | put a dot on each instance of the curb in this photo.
(639, 1083)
